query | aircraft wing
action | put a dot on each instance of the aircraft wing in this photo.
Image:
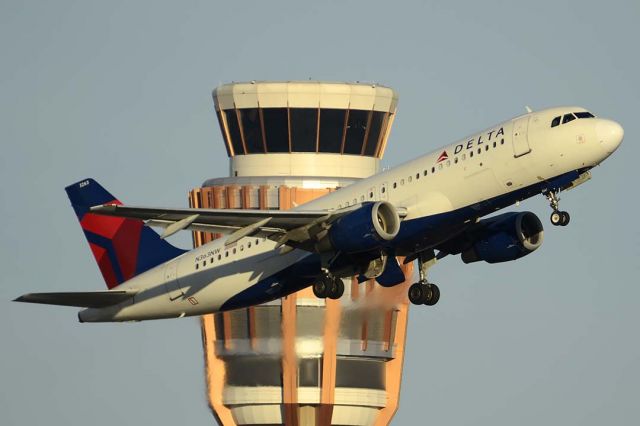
(290, 227)
(83, 299)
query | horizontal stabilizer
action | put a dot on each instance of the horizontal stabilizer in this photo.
(83, 299)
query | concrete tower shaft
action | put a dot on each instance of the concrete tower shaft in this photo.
(303, 360)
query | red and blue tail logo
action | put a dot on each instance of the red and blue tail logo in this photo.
(123, 248)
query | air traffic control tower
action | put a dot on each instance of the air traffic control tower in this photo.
(303, 360)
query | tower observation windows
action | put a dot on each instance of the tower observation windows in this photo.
(356, 131)
(304, 129)
(252, 130)
(377, 119)
(332, 123)
(287, 129)
(276, 127)
(224, 133)
(234, 131)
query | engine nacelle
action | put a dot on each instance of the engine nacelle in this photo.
(507, 237)
(364, 229)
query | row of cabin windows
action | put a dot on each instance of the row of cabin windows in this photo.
(570, 117)
(226, 253)
(425, 172)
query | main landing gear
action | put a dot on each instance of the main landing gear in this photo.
(329, 286)
(423, 292)
(558, 218)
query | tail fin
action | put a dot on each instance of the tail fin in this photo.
(123, 248)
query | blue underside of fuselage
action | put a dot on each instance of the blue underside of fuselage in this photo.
(415, 235)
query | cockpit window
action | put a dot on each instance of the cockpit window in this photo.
(583, 114)
(567, 118)
(556, 121)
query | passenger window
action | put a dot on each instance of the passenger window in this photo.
(455, 160)
(234, 251)
(486, 147)
(226, 254)
(197, 265)
(409, 179)
(448, 163)
(401, 181)
(464, 157)
(204, 263)
(555, 122)
(417, 175)
(241, 248)
(211, 260)
(355, 201)
(440, 166)
(494, 144)
(470, 154)
(479, 150)
(371, 195)
(219, 256)
(257, 241)
(502, 142)
(395, 185)
(425, 172)
(433, 170)
(567, 118)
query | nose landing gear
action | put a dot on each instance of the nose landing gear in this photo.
(423, 292)
(558, 218)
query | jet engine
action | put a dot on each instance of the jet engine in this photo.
(506, 237)
(364, 229)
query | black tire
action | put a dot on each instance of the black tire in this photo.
(566, 218)
(435, 295)
(556, 218)
(418, 293)
(337, 289)
(320, 288)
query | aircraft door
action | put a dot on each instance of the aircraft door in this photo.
(520, 139)
(171, 281)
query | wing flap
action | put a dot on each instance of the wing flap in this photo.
(83, 299)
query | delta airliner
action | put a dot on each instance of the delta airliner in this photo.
(430, 207)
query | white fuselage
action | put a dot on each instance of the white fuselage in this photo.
(501, 160)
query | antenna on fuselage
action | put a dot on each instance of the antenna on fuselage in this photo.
(529, 110)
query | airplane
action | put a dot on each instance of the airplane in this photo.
(425, 209)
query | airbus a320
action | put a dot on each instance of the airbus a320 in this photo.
(433, 206)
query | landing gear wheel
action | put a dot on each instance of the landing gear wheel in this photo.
(336, 290)
(565, 218)
(417, 293)
(320, 288)
(435, 295)
(556, 218)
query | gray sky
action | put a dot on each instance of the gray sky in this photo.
(121, 92)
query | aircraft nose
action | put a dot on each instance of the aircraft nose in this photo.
(609, 134)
